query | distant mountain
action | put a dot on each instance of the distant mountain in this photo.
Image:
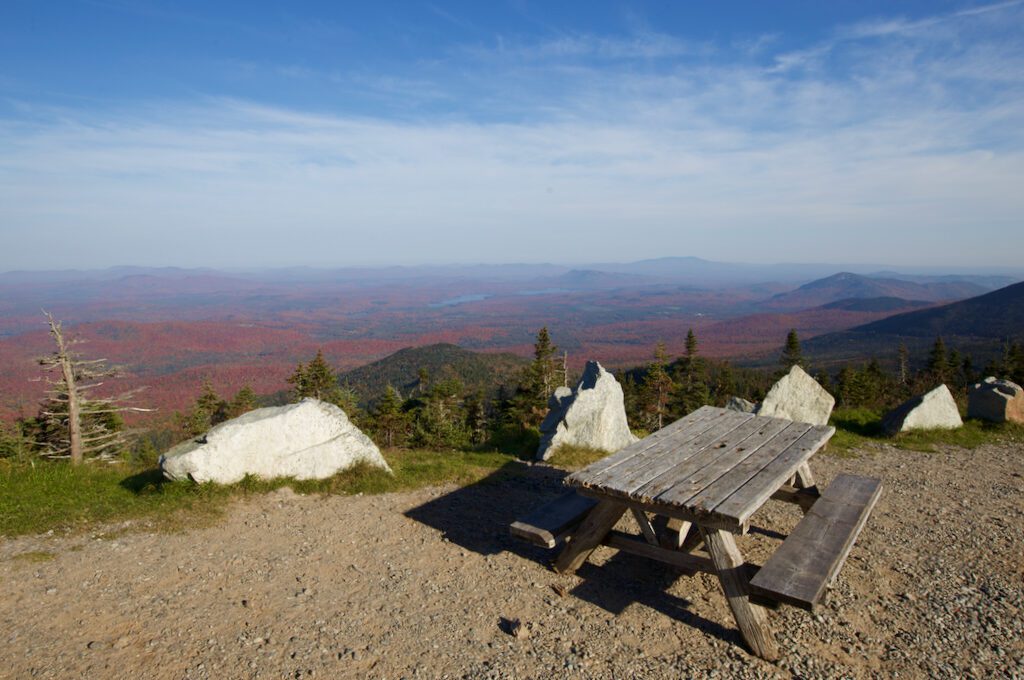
(879, 304)
(980, 324)
(844, 286)
(442, 361)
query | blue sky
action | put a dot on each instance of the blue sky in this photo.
(321, 133)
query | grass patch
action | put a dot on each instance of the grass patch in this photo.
(54, 495)
(856, 428)
(570, 457)
(34, 556)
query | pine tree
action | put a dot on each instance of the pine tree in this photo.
(938, 362)
(208, 410)
(656, 389)
(389, 421)
(692, 379)
(243, 402)
(792, 355)
(71, 423)
(316, 380)
(536, 384)
(903, 361)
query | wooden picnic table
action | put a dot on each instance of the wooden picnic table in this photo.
(703, 478)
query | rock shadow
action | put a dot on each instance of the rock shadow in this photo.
(477, 517)
(147, 481)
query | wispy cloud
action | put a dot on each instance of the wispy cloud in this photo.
(878, 149)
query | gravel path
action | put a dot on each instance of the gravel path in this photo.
(428, 583)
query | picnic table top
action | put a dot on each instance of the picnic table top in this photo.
(715, 467)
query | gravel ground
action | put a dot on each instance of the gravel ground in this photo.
(429, 584)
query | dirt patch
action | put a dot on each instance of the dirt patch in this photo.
(429, 584)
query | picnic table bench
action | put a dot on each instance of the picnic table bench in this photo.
(700, 480)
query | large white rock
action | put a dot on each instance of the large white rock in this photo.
(593, 415)
(740, 405)
(798, 397)
(996, 400)
(308, 440)
(935, 410)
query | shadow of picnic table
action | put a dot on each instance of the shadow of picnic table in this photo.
(477, 518)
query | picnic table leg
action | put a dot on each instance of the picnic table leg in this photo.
(751, 618)
(805, 480)
(591, 532)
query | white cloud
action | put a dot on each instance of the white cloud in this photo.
(904, 152)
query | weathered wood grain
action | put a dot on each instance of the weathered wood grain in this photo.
(644, 523)
(588, 536)
(751, 618)
(551, 522)
(636, 546)
(711, 496)
(746, 500)
(809, 559)
(689, 478)
(691, 422)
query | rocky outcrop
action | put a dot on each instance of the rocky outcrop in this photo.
(935, 410)
(798, 397)
(593, 415)
(740, 405)
(999, 401)
(308, 440)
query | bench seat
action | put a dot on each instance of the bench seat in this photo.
(810, 557)
(553, 521)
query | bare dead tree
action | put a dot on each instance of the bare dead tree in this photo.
(77, 425)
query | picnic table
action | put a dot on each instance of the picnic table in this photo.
(699, 481)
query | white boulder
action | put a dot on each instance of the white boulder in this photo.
(996, 400)
(798, 397)
(935, 410)
(593, 415)
(740, 405)
(308, 440)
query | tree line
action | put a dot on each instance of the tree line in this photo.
(444, 414)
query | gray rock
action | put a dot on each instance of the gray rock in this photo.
(935, 410)
(798, 397)
(308, 440)
(740, 404)
(996, 400)
(593, 415)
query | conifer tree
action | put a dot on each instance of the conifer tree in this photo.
(792, 355)
(243, 402)
(938, 362)
(72, 423)
(903, 365)
(693, 379)
(316, 380)
(389, 421)
(657, 389)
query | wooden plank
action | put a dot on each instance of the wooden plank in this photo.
(674, 511)
(746, 500)
(709, 498)
(636, 546)
(705, 414)
(631, 475)
(809, 559)
(591, 532)
(690, 477)
(645, 525)
(551, 522)
(751, 618)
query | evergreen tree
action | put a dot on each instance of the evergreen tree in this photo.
(792, 355)
(389, 421)
(441, 422)
(477, 418)
(656, 389)
(938, 362)
(243, 402)
(903, 363)
(692, 379)
(537, 383)
(208, 410)
(317, 380)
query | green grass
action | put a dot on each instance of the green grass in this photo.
(856, 428)
(575, 457)
(54, 495)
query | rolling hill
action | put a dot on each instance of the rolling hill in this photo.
(844, 286)
(980, 325)
(442, 361)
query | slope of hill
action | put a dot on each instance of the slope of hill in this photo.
(846, 285)
(980, 325)
(879, 304)
(442, 361)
